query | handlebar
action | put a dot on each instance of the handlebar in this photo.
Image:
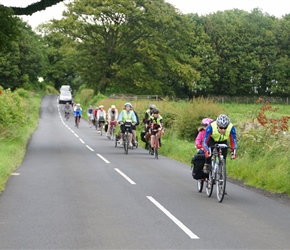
(219, 146)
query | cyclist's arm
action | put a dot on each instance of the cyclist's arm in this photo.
(233, 138)
(208, 133)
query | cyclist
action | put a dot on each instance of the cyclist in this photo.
(95, 115)
(219, 131)
(101, 117)
(67, 110)
(148, 114)
(112, 118)
(78, 113)
(201, 133)
(126, 114)
(90, 113)
(155, 124)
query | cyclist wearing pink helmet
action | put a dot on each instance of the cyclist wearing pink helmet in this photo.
(199, 139)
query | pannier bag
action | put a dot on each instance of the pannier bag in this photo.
(197, 164)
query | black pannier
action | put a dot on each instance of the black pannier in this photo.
(197, 163)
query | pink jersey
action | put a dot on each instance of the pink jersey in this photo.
(199, 138)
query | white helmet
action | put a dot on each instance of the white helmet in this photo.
(113, 106)
(222, 121)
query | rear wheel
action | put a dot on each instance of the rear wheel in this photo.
(200, 185)
(156, 144)
(221, 181)
(113, 132)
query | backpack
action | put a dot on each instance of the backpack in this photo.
(137, 118)
(197, 164)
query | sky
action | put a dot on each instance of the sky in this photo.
(276, 8)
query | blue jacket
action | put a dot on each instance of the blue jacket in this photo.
(78, 111)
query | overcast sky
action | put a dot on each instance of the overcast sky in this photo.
(273, 7)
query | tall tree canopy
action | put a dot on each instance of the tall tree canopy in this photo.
(140, 46)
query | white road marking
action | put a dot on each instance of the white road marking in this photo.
(15, 174)
(125, 176)
(90, 148)
(103, 158)
(173, 218)
(76, 135)
(81, 141)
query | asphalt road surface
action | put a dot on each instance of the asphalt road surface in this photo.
(76, 190)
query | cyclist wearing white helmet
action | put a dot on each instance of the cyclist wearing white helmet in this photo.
(219, 131)
(101, 117)
(78, 113)
(112, 118)
(125, 115)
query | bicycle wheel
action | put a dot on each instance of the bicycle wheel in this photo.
(78, 122)
(126, 143)
(136, 142)
(113, 132)
(221, 180)
(200, 185)
(156, 144)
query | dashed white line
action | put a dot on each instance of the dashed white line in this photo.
(90, 148)
(103, 158)
(76, 135)
(81, 141)
(173, 218)
(125, 176)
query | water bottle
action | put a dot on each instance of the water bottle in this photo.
(216, 166)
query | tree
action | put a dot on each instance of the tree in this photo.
(142, 44)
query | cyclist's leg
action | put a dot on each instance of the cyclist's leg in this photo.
(207, 163)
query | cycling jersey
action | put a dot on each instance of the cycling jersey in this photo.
(124, 115)
(213, 132)
(78, 112)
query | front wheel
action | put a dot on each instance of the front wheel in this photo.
(209, 185)
(126, 143)
(221, 181)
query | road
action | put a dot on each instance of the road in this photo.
(76, 190)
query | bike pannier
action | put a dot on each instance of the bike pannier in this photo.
(197, 164)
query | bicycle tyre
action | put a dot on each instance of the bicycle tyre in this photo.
(113, 133)
(126, 143)
(136, 142)
(156, 147)
(221, 181)
(200, 185)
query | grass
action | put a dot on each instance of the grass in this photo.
(13, 147)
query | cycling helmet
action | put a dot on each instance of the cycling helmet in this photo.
(155, 111)
(222, 121)
(206, 121)
(113, 106)
(101, 106)
(97, 108)
(152, 106)
(78, 105)
(128, 104)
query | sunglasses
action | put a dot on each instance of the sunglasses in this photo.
(223, 127)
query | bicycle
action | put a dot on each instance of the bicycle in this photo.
(66, 115)
(78, 121)
(128, 125)
(101, 125)
(217, 173)
(113, 129)
(91, 120)
(155, 144)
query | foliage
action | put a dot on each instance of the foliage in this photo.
(13, 112)
(24, 62)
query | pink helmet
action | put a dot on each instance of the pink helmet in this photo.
(206, 121)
